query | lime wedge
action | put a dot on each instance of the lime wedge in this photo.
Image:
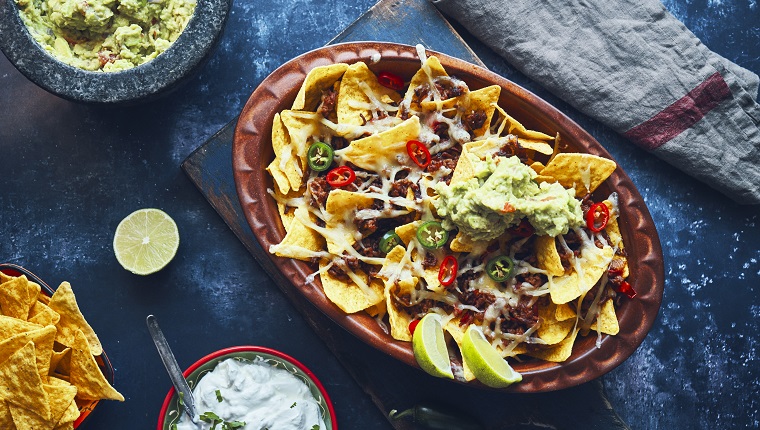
(146, 241)
(485, 362)
(430, 347)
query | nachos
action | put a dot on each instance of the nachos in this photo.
(425, 196)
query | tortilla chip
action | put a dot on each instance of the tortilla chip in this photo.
(565, 312)
(607, 321)
(457, 334)
(278, 176)
(72, 320)
(42, 338)
(483, 100)
(399, 319)
(408, 232)
(552, 331)
(300, 241)
(5, 278)
(61, 395)
(349, 296)
(548, 256)
(352, 97)
(341, 206)
(382, 149)
(584, 172)
(317, 80)
(539, 146)
(537, 167)
(86, 374)
(20, 382)
(60, 361)
(17, 296)
(379, 309)
(594, 264)
(42, 314)
(513, 126)
(421, 77)
(6, 419)
(24, 419)
(10, 326)
(556, 353)
(289, 150)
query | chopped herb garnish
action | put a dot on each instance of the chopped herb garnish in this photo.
(315, 427)
(219, 396)
(233, 425)
(293, 405)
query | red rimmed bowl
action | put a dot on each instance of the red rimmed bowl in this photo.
(85, 406)
(252, 152)
(171, 412)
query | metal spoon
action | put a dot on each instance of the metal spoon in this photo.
(175, 374)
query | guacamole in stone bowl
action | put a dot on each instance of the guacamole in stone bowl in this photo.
(105, 35)
(110, 51)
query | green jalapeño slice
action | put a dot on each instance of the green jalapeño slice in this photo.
(319, 156)
(389, 241)
(432, 235)
(500, 268)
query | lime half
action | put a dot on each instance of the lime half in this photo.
(430, 347)
(146, 241)
(486, 363)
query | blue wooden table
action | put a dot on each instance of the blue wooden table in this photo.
(70, 173)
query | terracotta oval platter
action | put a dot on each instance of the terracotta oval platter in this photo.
(252, 152)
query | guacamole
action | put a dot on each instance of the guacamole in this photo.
(105, 35)
(499, 195)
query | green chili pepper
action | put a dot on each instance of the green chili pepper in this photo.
(389, 241)
(320, 156)
(434, 419)
(500, 268)
(432, 235)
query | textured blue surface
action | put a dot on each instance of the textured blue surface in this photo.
(69, 173)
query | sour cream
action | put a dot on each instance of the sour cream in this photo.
(256, 393)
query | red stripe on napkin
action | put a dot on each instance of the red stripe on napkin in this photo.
(681, 115)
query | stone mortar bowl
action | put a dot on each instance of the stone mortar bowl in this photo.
(140, 84)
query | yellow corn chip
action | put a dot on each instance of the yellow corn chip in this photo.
(10, 326)
(60, 362)
(65, 304)
(399, 319)
(565, 312)
(349, 296)
(607, 321)
(42, 338)
(20, 382)
(594, 262)
(317, 80)
(548, 256)
(17, 296)
(552, 331)
(6, 419)
(86, 374)
(300, 242)
(584, 172)
(341, 208)
(353, 101)
(42, 314)
(382, 149)
(556, 353)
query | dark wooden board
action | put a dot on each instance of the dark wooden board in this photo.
(390, 384)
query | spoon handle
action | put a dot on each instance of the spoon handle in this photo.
(175, 374)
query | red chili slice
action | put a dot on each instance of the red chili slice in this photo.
(591, 217)
(341, 176)
(389, 80)
(627, 289)
(447, 274)
(418, 152)
(413, 325)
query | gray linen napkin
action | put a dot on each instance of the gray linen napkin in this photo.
(633, 66)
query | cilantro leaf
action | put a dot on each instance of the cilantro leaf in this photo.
(219, 396)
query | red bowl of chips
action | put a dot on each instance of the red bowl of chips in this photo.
(84, 406)
(591, 357)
